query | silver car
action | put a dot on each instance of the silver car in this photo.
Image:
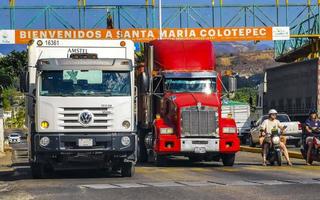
(14, 138)
(292, 133)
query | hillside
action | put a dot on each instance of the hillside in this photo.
(247, 63)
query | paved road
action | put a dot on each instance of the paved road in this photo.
(180, 180)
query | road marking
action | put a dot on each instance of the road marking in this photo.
(99, 186)
(304, 181)
(271, 182)
(242, 183)
(164, 184)
(197, 184)
(130, 185)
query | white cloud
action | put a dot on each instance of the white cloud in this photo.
(1, 55)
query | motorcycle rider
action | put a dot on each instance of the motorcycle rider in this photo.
(312, 124)
(266, 128)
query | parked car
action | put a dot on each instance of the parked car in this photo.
(14, 138)
(292, 133)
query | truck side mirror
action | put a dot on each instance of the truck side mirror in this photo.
(24, 82)
(232, 84)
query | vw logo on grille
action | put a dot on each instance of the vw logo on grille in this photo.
(85, 118)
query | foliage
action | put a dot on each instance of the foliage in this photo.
(139, 55)
(13, 101)
(12, 67)
(244, 95)
(17, 120)
(11, 97)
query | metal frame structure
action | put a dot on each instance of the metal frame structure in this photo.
(302, 18)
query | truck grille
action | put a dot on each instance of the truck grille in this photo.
(69, 118)
(198, 122)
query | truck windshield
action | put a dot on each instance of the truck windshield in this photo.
(85, 83)
(205, 85)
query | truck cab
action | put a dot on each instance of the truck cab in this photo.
(81, 106)
(180, 110)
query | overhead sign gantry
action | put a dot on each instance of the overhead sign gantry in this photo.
(145, 35)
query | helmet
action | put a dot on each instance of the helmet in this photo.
(272, 111)
(313, 111)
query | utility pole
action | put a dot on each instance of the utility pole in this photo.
(160, 19)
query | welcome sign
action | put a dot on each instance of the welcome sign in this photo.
(146, 35)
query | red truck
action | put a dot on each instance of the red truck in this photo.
(179, 111)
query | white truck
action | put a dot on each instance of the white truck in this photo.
(241, 113)
(81, 105)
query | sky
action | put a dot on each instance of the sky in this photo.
(96, 15)
(113, 2)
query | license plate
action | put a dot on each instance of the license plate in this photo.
(85, 142)
(200, 150)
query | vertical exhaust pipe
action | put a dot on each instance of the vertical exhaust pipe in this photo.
(150, 67)
(147, 96)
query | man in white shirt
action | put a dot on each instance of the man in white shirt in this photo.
(266, 128)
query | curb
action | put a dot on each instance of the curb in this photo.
(6, 171)
(292, 154)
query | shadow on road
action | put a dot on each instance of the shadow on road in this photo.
(23, 172)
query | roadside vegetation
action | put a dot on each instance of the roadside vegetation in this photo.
(12, 67)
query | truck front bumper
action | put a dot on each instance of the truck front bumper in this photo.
(67, 142)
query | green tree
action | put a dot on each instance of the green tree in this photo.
(12, 67)
(244, 95)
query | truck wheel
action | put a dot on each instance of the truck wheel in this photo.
(251, 143)
(127, 169)
(278, 157)
(228, 159)
(37, 170)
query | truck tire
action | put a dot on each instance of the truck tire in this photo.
(37, 170)
(228, 159)
(127, 169)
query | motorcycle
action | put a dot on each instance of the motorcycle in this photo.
(273, 147)
(315, 152)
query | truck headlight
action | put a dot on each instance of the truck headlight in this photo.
(166, 130)
(276, 140)
(126, 124)
(44, 141)
(229, 130)
(44, 124)
(125, 141)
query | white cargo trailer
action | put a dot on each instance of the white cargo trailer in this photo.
(240, 112)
